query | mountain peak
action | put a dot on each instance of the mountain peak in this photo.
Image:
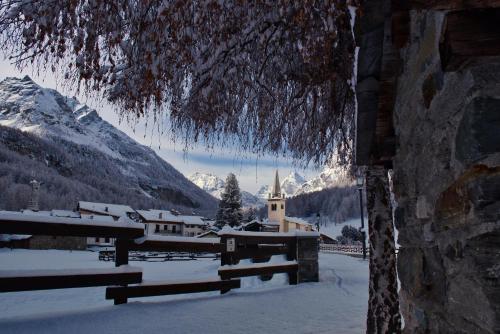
(83, 138)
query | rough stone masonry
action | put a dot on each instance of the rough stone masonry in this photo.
(447, 184)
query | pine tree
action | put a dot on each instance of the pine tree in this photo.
(229, 211)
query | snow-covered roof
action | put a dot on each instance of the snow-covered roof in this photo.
(99, 218)
(207, 233)
(270, 223)
(11, 237)
(53, 213)
(297, 220)
(159, 216)
(193, 220)
(312, 234)
(115, 210)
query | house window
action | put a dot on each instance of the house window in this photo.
(106, 240)
(165, 227)
(282, 206)
(157, 228)
(96, 239)
(174, 229)
(273, 207)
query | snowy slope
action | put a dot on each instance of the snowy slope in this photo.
(214, 185)
(64, 121)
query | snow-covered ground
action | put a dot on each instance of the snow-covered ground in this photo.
(334, 230)
(336, 304)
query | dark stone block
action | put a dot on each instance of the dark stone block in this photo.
(410, 268)
(484, 194)
(478, 134)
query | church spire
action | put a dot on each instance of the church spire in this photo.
(276, 191)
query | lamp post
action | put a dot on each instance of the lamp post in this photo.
(360, 183)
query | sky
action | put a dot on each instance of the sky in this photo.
(251, 170)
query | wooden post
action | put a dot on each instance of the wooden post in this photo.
(121, 258)
(291, 255)
(226, 258)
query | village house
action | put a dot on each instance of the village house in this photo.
(104, 211)
(276, 208)
(164, 222)
(194, 225)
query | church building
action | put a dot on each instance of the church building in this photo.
(276, 211)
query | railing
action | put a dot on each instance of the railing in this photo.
(257, 246)
(343, 249)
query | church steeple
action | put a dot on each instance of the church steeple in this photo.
(276, 190)
(276, 205)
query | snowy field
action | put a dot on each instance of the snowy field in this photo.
(334, 230)
(335, 305)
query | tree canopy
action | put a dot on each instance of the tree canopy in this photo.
(275, 74)
(229, 212)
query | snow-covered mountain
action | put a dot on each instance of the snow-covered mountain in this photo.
(292, 183)
(85, 138)
(214, 185)
(263, 193)
(328, 178)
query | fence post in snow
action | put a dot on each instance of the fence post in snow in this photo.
(121, 258)
(307, 258)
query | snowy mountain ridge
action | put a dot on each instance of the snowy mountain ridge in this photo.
(214, 185)
(47, 114)
(292, 185)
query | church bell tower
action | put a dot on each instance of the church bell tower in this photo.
(276, 205)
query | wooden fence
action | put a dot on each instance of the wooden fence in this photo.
(130, 237)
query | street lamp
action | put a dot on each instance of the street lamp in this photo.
(360, 182)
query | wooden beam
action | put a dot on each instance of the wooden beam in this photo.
(265, 238)
(175, 246)
(170, 288)
(257, 269)
(468, 37)
(29, 280)
(70, 227)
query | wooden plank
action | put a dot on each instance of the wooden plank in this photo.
(266, 238)
(70, 227)
(469, 36)
(258, 269)
(170, 288)
(62, 279)
(175, 246)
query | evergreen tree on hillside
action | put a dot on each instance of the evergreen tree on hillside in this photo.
(229, 211)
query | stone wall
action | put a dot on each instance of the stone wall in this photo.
(50, 242)
(447, 186)
(307, 258)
